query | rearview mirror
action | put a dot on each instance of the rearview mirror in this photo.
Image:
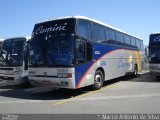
(146, 51)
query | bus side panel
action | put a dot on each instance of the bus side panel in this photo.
(137, 53)
(115, 61)
(81, 71)
(84, 73)
(119, 63)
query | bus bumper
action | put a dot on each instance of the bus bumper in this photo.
(52, 82)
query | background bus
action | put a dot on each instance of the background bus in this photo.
(74, 52)
(13, 60)
(1, 41)
(154, 54)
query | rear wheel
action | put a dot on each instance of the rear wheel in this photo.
(98, 80)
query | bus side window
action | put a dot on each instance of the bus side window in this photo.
(127, 40)
(142, 46)
(110, 35)
(98, 33)
(138, 44)
(119, 37)
(133, 41)
(80, 50)
(83, 29)
(83, 51)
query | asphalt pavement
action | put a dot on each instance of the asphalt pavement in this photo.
(122, 95)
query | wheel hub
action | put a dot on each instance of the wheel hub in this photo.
(98, 80)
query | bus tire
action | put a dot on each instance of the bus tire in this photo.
(135, 70)
(98, 80)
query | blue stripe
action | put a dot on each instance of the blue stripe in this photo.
(100, 49)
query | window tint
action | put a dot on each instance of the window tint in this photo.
(80, 50)
(119, 37)
(127, 39)
(138, 44)
(98, 32)
(83, 29)
(110, 34)
(83, 51)
(141, 44)
(133, 41)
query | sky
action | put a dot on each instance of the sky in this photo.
(137, 17)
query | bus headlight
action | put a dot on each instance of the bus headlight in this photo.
(64, 75)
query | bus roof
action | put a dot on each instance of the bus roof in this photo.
(27, 37)
(155, 33)
(93, 20)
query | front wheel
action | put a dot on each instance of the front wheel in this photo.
(98, 80)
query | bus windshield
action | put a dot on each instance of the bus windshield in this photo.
(155, 54)
(52, 44)
(12, 52)
(154, 48)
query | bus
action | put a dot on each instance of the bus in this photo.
(14, 60)
(154, 54)
(74, 52)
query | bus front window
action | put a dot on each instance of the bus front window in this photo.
(36, 48)
(155, 54)
(52, 43)
(12, 52)
(52, 50)
(59, 49)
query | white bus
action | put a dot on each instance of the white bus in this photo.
(73, 52)
(14, 60)
(154, 54)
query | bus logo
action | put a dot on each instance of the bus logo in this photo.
(42, 29)
(157, 39)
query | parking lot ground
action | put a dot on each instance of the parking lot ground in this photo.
(122, 95)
